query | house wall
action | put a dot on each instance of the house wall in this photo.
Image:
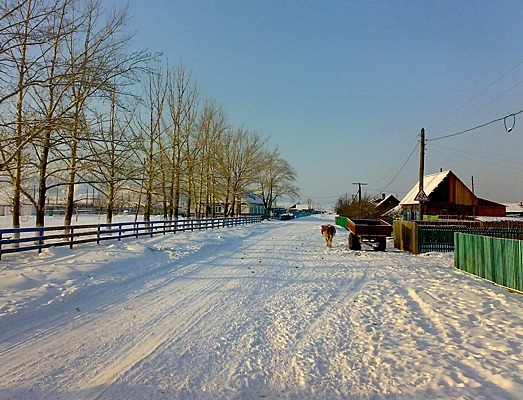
(492, 211)
(462, 194)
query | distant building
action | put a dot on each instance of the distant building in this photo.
(514, 209)
(448, 195)
(250, 205)
(386, 203)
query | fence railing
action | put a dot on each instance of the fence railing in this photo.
(421, 237)
(14, 240)
(495, 259)
(441, 238)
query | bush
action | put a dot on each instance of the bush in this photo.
(352, 208)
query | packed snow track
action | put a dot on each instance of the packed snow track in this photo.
(259, 311)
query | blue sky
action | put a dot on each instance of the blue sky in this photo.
(342, 88)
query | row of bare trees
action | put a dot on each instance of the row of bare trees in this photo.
(77, 108)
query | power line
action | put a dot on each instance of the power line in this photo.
(480, 93)
(507, 162)
(401, 169)
(505, 118)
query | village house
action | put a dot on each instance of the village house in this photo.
(448, 195)
(250, 205)
(385, 203)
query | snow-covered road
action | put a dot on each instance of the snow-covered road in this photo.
(260, 311)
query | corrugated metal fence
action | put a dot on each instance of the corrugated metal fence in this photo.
(495, 259)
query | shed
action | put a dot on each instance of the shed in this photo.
(448, 195)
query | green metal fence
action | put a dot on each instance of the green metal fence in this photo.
(341, 221)
(495, 259)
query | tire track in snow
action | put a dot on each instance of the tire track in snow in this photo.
(197, 308)
(110, 320)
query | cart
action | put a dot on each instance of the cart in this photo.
(373, 232)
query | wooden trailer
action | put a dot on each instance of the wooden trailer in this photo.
(373, 232)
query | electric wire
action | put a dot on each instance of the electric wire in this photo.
(401, 169)
(513, 115)
(510, 162)
(479, 94)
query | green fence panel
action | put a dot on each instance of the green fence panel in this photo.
(488, 261)
(501, 249)
(495, 259)
(518, 274)
(512, 259)
(341, 221)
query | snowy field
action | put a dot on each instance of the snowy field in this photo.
(253, 312)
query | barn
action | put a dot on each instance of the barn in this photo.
(448, 195)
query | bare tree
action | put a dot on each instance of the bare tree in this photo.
(276, 179)
(239, 160)
(97, 55)
(39, 29)
(148, 130)
(211, 126)
(183, 101)
(112, 157)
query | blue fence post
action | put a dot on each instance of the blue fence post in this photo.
(40, 239)
(71, 237)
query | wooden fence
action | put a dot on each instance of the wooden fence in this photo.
(15, 240)
(495, 259)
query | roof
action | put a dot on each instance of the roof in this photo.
(514, 208)
(381, 201)
(252, 199)
(430, 183)
(485, 202)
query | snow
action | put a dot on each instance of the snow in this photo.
(257, 311)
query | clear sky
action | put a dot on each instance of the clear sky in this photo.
(343, 88)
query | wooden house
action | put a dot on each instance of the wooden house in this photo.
(448, 195)
(249, 205)
(385, 203)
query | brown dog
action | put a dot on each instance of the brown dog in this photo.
(328, 231)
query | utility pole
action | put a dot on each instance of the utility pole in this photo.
(421, 172)
(359, 189)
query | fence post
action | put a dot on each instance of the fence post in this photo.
(71, 237)
(98, 234)
(40, 239)
(414, 238)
